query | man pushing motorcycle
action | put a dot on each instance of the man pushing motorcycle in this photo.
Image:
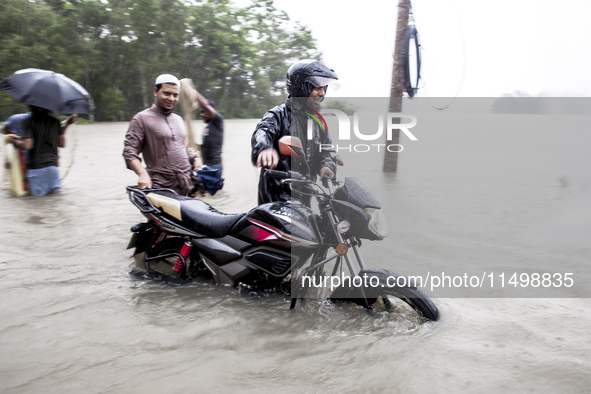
(307, 83)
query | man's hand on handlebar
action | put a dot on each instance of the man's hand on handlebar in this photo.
(326, 172)
(326, 175)
(268, 158)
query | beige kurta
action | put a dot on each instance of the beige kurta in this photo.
(160, 139)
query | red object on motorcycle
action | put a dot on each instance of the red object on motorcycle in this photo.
(258, 234)
(185, 252)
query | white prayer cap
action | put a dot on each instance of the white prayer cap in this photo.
(167, 78)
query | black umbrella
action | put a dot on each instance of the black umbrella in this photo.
(49, 90)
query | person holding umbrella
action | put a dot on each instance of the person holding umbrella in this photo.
(45, 91)
(42, 135)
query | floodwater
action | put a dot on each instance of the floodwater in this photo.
(73, 320)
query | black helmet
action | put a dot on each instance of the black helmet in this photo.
(304, 76)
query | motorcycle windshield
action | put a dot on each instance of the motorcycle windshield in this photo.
(355, 192)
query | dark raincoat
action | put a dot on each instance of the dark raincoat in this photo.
(289, 118)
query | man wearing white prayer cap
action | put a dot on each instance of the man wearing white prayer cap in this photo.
(167, 78)
(159, 137)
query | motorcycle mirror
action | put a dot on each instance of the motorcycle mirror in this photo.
(291, 146)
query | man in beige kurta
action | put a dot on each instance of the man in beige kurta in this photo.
(159, 136)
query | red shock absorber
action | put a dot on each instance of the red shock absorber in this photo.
(185, 252)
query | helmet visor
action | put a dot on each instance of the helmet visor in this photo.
(318, 81)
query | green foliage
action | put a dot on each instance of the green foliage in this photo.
(115, 48)
(113, 104)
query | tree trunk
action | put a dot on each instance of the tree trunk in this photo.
(397, 87)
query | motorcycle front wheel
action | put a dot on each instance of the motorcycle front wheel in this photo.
(385, 286)
(417, 301)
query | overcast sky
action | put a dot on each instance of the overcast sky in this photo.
(469, 48)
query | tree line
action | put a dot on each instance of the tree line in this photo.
(236, 56)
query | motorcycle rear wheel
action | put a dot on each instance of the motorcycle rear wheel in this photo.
(161, 257)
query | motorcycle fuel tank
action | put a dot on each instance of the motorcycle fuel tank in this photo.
(285, 224)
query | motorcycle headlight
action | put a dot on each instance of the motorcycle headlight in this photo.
(377, 222)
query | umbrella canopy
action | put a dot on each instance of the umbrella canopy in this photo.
(49, 90)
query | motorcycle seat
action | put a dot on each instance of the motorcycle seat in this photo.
(195, 214)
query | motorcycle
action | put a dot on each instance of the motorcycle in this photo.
(283, 246)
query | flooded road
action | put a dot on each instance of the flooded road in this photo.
(73, 320)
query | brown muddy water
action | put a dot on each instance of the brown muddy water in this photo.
(481, 202)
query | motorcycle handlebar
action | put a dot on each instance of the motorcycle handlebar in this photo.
(326, 179)
(276, 174)
(283, 174)
(292, 176)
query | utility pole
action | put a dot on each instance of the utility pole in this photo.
(397, 87)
